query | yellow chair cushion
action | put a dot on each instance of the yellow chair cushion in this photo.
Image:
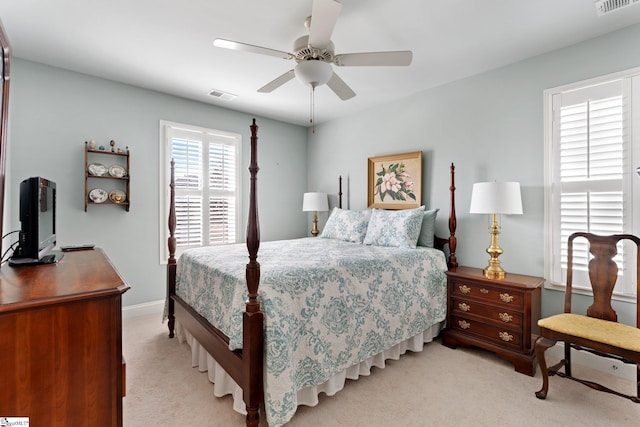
(604, 331)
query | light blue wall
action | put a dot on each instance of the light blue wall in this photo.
(491, 127)
(52, 113)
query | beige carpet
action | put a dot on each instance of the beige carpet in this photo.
(436, 387)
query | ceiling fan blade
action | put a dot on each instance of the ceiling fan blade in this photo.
(396, 58)
(324, 15)
(228, 44)
(340, 87)
(277, 82)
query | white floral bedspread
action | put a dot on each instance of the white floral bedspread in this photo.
(328, 304)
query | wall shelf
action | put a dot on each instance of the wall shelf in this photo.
(107, 184)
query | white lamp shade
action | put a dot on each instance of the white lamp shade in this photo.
(313, 73)
(496, 197)
(315, 202)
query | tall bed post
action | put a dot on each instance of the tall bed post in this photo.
(171, 262)
(253, 340)
(453, 224)
(340, 191)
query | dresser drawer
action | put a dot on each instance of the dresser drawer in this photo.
(468, 307)
(499, 335)
(505, 297)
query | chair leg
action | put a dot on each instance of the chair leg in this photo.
(541, 345)
(638, 380)
(567, 358)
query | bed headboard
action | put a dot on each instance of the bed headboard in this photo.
(439, 242)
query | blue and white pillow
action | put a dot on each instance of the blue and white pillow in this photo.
(348, 225)
(394, 228)
(428, 230)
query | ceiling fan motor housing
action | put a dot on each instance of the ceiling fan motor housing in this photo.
(302, 51)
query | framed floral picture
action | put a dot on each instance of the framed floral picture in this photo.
(395, 181)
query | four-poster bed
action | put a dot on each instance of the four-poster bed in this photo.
(243, 342)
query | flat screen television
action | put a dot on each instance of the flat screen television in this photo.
(38, 223)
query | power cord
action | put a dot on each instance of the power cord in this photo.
(10, 233)
(13, 246)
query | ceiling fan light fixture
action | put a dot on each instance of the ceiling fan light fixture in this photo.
(313, 73)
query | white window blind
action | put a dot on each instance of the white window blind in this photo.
(588, 179)
(206, 185)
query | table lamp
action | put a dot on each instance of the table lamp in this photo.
(495, 198)
(315, 202)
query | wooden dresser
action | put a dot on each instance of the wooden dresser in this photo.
(61, 342)
(499, 315)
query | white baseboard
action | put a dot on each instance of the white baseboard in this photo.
(144, 309)
(602, 364)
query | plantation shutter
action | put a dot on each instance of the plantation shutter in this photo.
(206, 186)
(589, 129)
(222, 189)
(187, 155)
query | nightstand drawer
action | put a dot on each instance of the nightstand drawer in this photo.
(468, 307)
(499, 335)
(499, 315)
(506, 297)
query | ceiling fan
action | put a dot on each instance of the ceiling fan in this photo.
(315, 54)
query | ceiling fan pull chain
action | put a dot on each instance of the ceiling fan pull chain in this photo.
(312, 108)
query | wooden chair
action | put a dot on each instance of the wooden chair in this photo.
(598, 332)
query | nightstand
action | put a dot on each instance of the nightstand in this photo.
(499, 315)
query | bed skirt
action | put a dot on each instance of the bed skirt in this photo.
(224, 384)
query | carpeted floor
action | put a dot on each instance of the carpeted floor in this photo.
(436, 387)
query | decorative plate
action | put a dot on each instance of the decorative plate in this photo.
(98, 195)
(117, 171)
(97, 169)
(117, 196)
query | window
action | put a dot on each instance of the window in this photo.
(589, 173)
(207, 183)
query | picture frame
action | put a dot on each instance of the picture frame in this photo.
(395, 181)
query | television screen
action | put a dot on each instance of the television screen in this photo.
(38, 221)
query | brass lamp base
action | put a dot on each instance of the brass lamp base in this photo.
(493, 270)
(314, 230)
(494, 273)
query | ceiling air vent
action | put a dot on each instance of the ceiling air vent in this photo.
(226, 96)
(604, 7)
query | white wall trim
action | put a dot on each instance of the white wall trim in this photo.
(602, 364)
(144, 309)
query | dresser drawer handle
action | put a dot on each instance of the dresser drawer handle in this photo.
(506, 297)
(464, 324)
(484, 291)
(505, 317)
(505, 336)
(464, 289)
(464, 307)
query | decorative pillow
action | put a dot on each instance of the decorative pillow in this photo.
(348, 225)
(428, 229)
(394, 228)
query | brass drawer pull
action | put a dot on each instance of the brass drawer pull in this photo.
(464, 307)
(464, 289)
(505, 336)
(505, 317)
(506, 297)
(464, 324)
(484, 291)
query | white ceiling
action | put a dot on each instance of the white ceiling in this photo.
(166, 45)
